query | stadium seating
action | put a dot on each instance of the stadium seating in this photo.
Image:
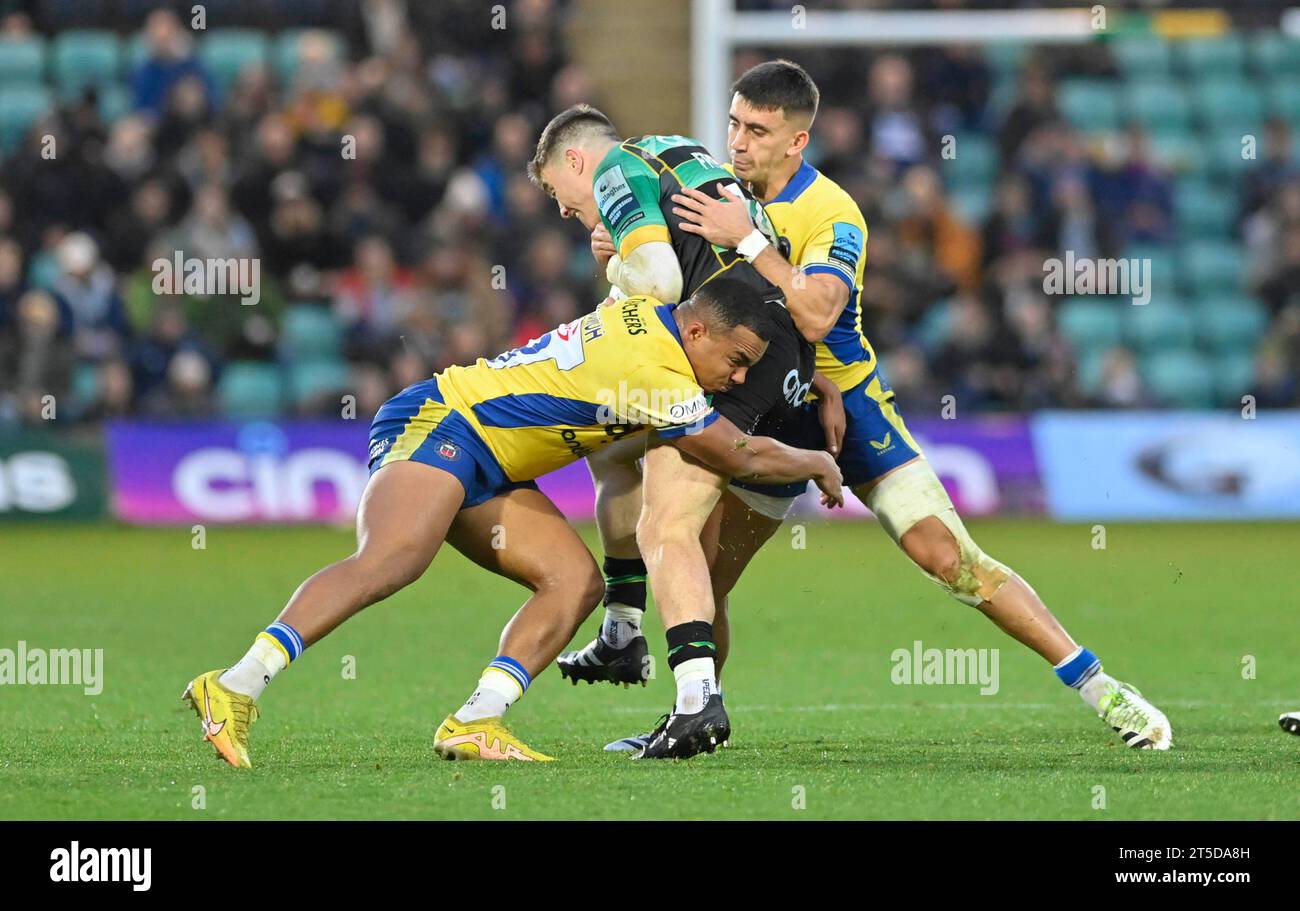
(1160, 326)
(1006, 57)
(974, 164)
(1227, 104)
(1196, 98)
(85, 58)
(1182, 153)
(288, 48)
(1160, 105)
(1283, 99)
(310, 333)
(1229, 324)
(935, 326)
(972, 203)
(22, 61)
(1226, 160)
(1142, 58)
(1181, 378)
(20, 107)
(1223, 56)
(1234, 376)
(1091, 323)
(1204, 211)
(1162, 279)
(1089, 104)
(1211, 266)
(309, 381)
(250, 390)
(136, 51)
(228, 52)
(1092, 363)
(1273, 53)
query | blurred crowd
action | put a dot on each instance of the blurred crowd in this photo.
(386, 187)
(956, 304)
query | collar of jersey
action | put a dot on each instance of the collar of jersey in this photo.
(665, 313)
(801, 181)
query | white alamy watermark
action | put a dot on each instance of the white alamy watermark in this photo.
(921, 666)
(638, 405)
(76, 864)
(23, 666)
(1086, 275)
(209, 277)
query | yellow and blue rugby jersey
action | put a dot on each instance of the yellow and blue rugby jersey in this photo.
(617, 370)
(828, 235)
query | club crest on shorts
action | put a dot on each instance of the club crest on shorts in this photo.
(448, 450)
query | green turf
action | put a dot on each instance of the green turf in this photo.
(1173, 608)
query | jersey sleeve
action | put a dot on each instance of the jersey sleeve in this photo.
(627, 196)
(837, 246)
(670, 402)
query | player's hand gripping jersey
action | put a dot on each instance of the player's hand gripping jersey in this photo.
(634, 184)
(529, 411)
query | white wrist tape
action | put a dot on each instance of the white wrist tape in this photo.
(754, 243)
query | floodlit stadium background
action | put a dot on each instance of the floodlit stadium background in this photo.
(369, 156)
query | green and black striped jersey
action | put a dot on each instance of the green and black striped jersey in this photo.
(634, 184)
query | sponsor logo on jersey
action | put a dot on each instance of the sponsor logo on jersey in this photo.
(592, 328)
(795, 391)
(846, 248)
(690, 411)
(378, 447)
(706, 159)
(631, 313)
(615, 201)
(883, 446)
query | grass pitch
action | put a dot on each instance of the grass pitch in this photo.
(1202, 618)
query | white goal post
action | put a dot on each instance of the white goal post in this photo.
(718, 30)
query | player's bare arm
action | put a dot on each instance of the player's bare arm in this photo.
(762, 460)
(814, 301)
(830, 411)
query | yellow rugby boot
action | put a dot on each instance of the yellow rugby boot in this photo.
(225, 715)
(487, 738)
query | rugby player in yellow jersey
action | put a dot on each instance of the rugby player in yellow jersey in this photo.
(454, 458)
(772, 109)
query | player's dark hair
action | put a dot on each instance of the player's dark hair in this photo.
(566, 128)
(779, 85)
(726, 303)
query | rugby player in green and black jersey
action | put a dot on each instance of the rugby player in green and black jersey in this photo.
(621, 190)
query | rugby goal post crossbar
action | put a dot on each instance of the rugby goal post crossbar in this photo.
(718, 30)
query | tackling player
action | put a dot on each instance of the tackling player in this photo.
(453, 458)
(772, 109)
(620, 189)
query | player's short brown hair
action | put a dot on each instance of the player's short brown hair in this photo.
(779, 85)
(565, 129)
